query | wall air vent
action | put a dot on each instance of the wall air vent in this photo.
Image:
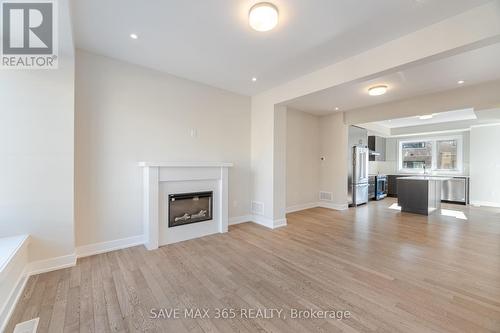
(325, 196)
(29, 326)
(258, 207)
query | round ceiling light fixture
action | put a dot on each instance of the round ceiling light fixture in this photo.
(263, 16)
(377, 90)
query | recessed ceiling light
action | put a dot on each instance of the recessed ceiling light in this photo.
(254, 79)
(426, 116)
(377, 90)
(337, 108)
(263, 16)
(461, 82)
(134, 36)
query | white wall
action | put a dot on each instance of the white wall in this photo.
(37, 152)
(333, 170)
(126, 114)
(485, 165)
(302, 158)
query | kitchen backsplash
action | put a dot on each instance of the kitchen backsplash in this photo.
(390, 168)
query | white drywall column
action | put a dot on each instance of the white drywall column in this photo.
(485, 165)
(333, 170)
(474, 28)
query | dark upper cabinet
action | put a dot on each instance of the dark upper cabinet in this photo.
(376, 144)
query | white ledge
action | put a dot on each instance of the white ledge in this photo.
(9, 246)
(186, 164)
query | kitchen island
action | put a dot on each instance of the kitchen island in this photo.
(420, 194)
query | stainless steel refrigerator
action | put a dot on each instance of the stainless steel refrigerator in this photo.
(358, 176)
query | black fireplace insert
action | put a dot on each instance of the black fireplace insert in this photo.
(186, 208)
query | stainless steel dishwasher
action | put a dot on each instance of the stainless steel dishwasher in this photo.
(456, 190)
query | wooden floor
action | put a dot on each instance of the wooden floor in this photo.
(393, 272)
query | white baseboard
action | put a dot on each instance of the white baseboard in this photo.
(485, 203)
(51, 264)
(264, 221)
(279, 223)
(103, 247)
(240, 219)
(296, 208)
(331, 205)
(269, 223)
(323, 204)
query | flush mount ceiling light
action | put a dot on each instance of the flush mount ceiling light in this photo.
(134, 36)
(254, 79)
(263, 16)
(426, 116)
(377, 90)
(461, 82)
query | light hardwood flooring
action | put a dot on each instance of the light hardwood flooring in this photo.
(394, 272)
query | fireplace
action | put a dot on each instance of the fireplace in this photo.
(186, 208)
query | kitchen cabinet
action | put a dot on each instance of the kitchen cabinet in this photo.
(392, 185)
(376, 144)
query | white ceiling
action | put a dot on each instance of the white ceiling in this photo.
(443, 117)
(474, 67)
(209, 41)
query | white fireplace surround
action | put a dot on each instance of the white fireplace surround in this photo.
(163, 178)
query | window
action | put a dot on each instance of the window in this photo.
(447, 154)
(416, 155)
(433, 154)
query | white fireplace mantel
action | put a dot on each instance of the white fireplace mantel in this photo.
(186, 164)
(163, 178)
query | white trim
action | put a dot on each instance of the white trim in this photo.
(186, 164)
(296, 208)
(331, 205)
(51, 264)
(103, 247)
(14, 269)
(262, 220)
(12, 299)
(485, 203)
(279, 223)
(240, 219)
(269, 223)
(486, 125)
(22, 240)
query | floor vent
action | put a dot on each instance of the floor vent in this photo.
(257, 207)
(29, 326)
(325, 196)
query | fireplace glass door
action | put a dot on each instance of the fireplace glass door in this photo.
(186, 208)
